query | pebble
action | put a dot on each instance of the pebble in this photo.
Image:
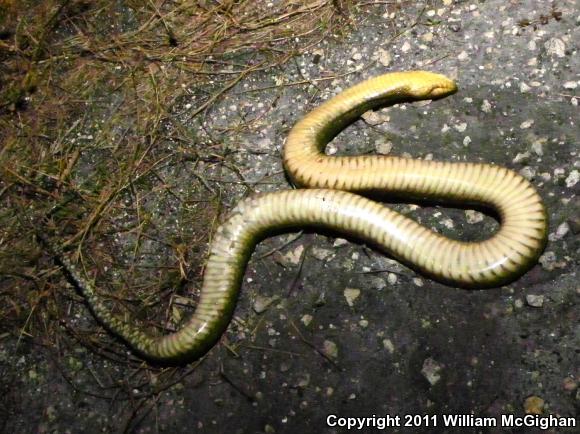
(522, 157)
(384, 57)
(549, 263)
(528, 172)
(388, 345)
(378, 283)
(339, 242)
(463, 56)
(330, 349)
(431, 371)
(560, 233)
(351, 294)
(534, 405)
(486, 106)
(555, 47)
(418, 281)
(293, 256)
(527, 124)
(384, 147)
(535, 300)
(572, 178)
(537, 146)
(320, 253)
(262, 303)
(569, 384)
(473, 216)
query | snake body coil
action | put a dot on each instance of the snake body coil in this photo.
(497, 260)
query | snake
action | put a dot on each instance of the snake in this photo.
(333, 198)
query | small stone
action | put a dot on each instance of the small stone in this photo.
(378, 283)
(535, 300)
(522, 157)
(534, 405)
(537, 146)
(473, 216)
(572, 178)
(293, 257)
(527, 124)
(466, 141)
(431, 371)
(463, 56)
(320, 253)
(569, 384)
(384, 57)
(375, 117)
(330, 349)
(486, 106)
(427, 37)
(406, 47)
(559, 173)
(262, 303)
(555, 47)
(448, 223)
(388, 345)
(560, 233)
(524, 88)
(392, 278)
(384, 147)
(570, 85)
(518, 303)
(461, 127)
(339, 242)
(548, 261)
(363, 323)
(306, 319)
(418, 281)
(351, 294)
(528, 172)
(331, 149)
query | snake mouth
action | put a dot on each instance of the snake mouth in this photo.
(441, 90)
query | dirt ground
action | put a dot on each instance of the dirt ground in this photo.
(323, 326)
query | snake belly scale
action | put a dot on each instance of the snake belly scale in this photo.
(327, 203)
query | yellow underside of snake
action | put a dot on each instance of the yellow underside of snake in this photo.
(327, 204)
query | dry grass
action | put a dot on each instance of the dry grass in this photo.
(87, 123)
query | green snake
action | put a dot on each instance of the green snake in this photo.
(503, 257)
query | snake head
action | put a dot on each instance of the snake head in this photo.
(429, 85)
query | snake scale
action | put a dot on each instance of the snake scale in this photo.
(328, 204)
